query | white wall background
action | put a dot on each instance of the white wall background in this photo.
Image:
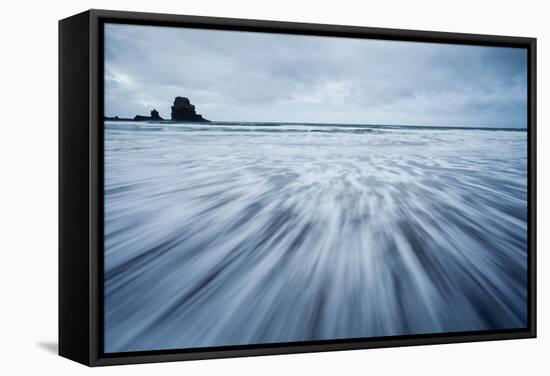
(28, 186)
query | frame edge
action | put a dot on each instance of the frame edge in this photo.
(95, 358)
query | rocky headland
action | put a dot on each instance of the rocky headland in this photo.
(154, 117)
(182, 111)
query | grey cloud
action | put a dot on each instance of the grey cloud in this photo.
(276, 77)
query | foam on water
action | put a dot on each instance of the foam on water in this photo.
(241, 234)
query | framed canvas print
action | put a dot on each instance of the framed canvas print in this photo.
(236, 187)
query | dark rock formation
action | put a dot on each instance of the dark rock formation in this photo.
(183, 110)
(116, 118)
(154, 116)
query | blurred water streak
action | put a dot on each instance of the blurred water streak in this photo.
(241, 234)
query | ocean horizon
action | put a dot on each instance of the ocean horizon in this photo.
(345, 125)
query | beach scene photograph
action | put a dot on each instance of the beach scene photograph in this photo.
(268, 188)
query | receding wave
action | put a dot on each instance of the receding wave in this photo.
(222, 235)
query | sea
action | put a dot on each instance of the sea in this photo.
(222, 234)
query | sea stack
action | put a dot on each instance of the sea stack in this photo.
(183, 110)
(154, 116)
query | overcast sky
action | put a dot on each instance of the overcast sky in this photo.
(243, 76)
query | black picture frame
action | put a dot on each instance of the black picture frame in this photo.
(81, 185)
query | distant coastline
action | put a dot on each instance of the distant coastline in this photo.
(182, 111)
